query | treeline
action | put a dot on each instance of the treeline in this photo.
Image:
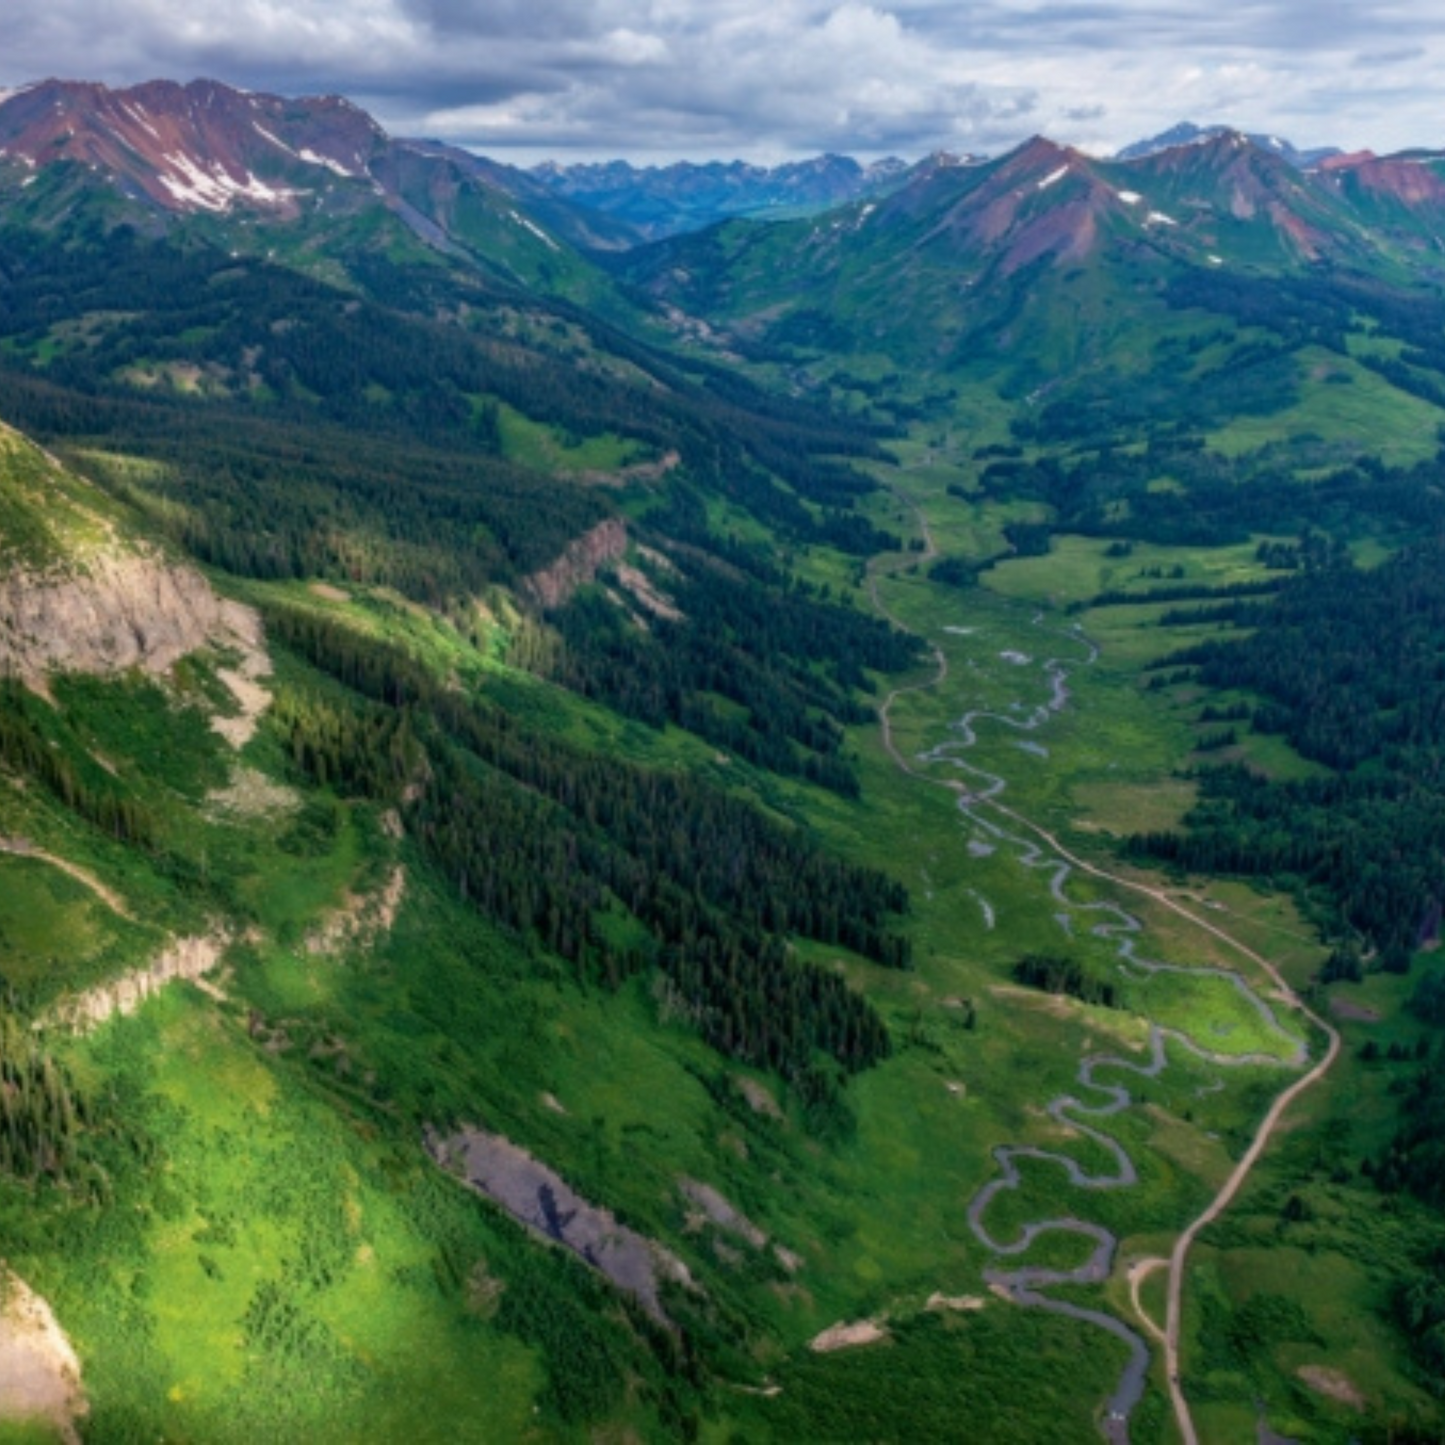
(29, 749)
(328, 435)
(785, 664)
(1351, 665)
(266, 496)
(1259, 378)
(1354, 661)
(1067, 976)
(611, 866)
(1179, 592)
(42, 1115)
(1218, 500)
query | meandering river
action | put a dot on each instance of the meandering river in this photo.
(1095, 1100)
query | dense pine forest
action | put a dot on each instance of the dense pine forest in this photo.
(1349, 667)
(298, 429)
(550, 842)
(586, 814)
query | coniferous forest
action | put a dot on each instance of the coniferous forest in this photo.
(732, 838)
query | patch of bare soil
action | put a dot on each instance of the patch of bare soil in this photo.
(541, 1199)
(1056, 1004)
(790, 1259)
(637, 472)
(847, 1337)
(641, 588)
(937, 1301)
(244, 685)
(720, 1212)
(760, 1099)
(39, 1372)
(252, 794)
(1333, 1385)
(329, 593)
(361, 919)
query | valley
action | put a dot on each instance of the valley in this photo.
(821, 829)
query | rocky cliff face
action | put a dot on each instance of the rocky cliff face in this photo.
(125, 609)
(580, 563)
(188, 958)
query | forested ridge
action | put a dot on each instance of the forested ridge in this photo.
(282, 428)
(304, 430)
(793, 663)
(1351, 668)
(554, 843)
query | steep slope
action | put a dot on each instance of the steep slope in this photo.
(278, 942)
(260, 173)
(1044, 253)
(198, 147)
(1402, 196)
(80, 594)
(1247, 204)
(960, 257)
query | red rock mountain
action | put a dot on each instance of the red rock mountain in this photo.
(198, 147)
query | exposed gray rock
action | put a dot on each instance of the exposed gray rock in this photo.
(125, 609)
(580, 562)
(541, 1199)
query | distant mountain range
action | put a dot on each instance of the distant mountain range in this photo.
(660, 201)
(1046, 253)
(247, 165)
(1187, 133)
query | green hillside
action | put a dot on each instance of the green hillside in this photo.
(734, 872)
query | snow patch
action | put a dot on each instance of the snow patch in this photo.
(214, 190)
(1053, 176)
(535, 230)
(1129, 198)
(1216, 260)
(1158, 218)
(331, 165)
(137, 114)
(274, 139)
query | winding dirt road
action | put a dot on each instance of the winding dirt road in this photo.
(1268, 1126)
(1023, 1285)
(24, 848)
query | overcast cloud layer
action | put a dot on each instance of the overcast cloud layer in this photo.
(772, 79)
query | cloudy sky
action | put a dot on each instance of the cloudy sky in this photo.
(772, 79)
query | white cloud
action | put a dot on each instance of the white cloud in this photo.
(777, 77)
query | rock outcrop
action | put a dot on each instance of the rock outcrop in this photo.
(361, 920)
(541, 1199)
(125, 609)
(188, 958)
(584, 557)
(39, 1373)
